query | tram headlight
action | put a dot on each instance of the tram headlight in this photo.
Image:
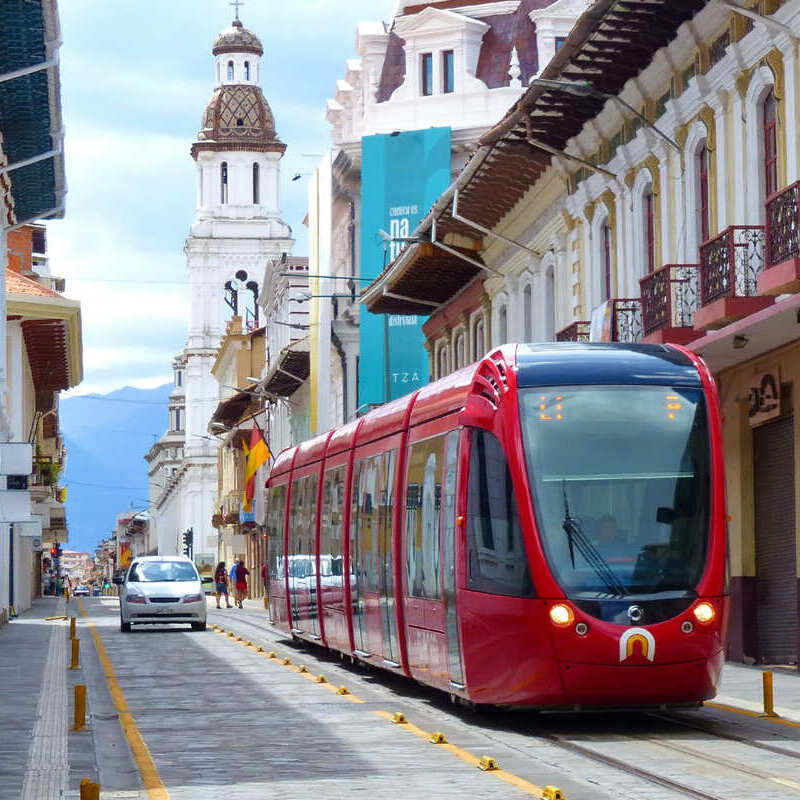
(704, 612)
(561, 615)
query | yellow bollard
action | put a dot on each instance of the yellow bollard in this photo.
(80, 708)
(72, 627)
(89, 790)
(266, 603)
(76, 650)
(769, 697)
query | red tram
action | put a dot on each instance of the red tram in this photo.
(544, 528)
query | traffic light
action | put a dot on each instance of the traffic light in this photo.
(187, 542)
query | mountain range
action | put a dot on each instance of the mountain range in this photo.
(107, 437)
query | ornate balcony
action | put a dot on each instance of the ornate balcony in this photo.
(577, 332)
(781, 272)
(626, 319)
(729, 268)
(670, 297)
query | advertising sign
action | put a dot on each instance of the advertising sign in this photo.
(402, 175)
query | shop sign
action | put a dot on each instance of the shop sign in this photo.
(765, 398)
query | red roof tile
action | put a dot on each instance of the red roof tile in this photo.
(19, 284)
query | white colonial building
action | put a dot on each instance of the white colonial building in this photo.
(237, 229)
(461, 67)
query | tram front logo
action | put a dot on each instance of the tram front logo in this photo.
(637, 639)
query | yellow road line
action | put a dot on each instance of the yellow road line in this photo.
(296, 669)
(469, 758)
(144, 761)
(754, 714)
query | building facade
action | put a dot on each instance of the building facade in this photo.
(454, 67)
(649, 197)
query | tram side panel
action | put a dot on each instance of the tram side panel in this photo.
(277, 518)
(302, 552)
(335, 576)
(429, 516)
(508, 655)
(372, 552)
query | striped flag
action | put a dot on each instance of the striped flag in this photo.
(257, 455)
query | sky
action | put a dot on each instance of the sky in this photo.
(136, 76)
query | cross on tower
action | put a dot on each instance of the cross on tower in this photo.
(236, 4)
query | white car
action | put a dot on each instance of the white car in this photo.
(160, 590)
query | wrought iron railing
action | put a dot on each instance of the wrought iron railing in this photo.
(731, 262)
(627, 320)
(577, 332)
(783, 226)
(670, 296)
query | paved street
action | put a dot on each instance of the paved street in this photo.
(212, 714)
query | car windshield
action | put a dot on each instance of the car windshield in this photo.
(151, 571)
(620, 478)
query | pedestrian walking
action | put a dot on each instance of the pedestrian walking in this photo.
(241, 582)
(221, 584)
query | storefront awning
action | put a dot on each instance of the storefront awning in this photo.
(611, 43)
(290, 370)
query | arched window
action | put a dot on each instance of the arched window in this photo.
(527, 313)
(479, 340)
(648, 213)
(443, 369)
(502, 325)
(607, 250)
(703, 225)
(223, 183)
(247, 70)
(256, 179)
(230, 70)
(461, 355)
(770, 133)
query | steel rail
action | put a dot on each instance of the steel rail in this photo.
(631, 769)
(731, 737)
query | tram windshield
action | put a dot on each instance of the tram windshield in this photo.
(620, 478)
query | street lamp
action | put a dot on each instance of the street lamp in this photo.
(585, 89)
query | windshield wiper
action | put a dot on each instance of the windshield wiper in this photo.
(577, 538)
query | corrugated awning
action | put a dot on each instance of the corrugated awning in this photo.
(30, 108)
(610, 44)
(230, 411)
(290, 370)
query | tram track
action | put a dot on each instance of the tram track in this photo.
(593, 751)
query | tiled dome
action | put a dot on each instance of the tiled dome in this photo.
(238, 117)
(237, 39)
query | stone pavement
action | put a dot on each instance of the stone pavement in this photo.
(218, 717)
(40, 759)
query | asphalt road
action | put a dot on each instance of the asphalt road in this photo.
(217, 716)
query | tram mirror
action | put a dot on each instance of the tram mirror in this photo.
(666, 516)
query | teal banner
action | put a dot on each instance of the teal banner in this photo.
(402, 175)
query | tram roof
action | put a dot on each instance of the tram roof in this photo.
(571, 364)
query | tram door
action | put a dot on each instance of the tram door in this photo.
(302, 560)
(775, 534)
(449, 560)
(374, 619)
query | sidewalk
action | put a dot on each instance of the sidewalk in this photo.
(741, 687)
(40, 759)
(33, 716)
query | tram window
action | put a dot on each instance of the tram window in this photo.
(275, 520)
(423, 517)
(330, 541)
(496, 559)
(365, 524)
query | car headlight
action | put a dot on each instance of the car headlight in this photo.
(136, 598)
(193, 598)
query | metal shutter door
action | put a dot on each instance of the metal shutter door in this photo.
(776, 562)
